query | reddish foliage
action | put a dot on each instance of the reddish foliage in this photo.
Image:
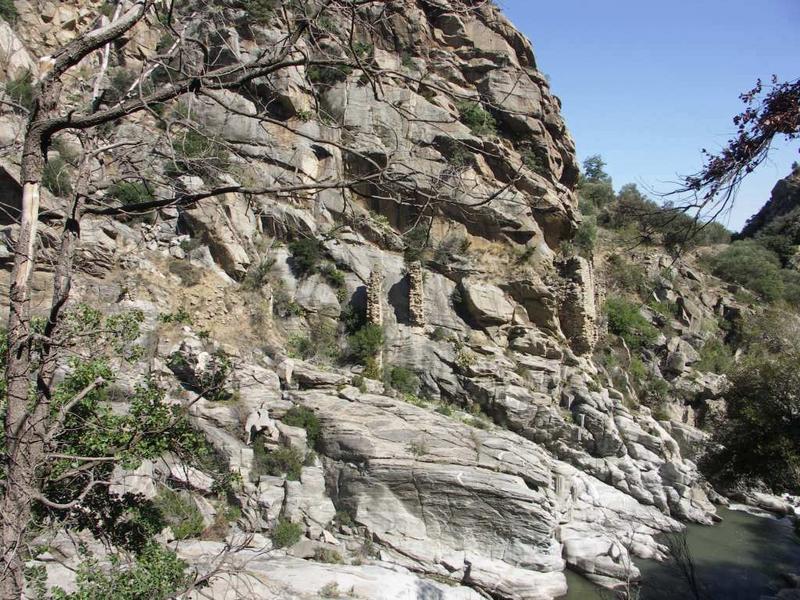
(770, 110)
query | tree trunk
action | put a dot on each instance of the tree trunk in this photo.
(23, 453)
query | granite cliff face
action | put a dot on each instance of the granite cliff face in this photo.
(518, 455)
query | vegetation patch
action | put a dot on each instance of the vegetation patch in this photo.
(180, 512)
(715, 356)
(404, 380)
(627, 276)
(56, 177)
(759, 440)
(285, 533)
(327, 555)
(199, 155)
(260, 11)
(8, 11)
(328, 75)
(300, 416)
(155, 574)
(474, 116)
(749, 264)
(279, 462)
(306, 255)
(21, 90)
(365, 343)
(535, 159)
(625, 320)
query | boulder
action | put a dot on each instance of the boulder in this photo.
(14, 57)
(487, 304)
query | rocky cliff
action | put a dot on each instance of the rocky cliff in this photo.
(510, 453)
(785, 199)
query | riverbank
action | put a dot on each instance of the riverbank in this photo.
(743, 557)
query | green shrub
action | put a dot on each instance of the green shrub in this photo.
(759, 440)
(358, 381)
(22, 90)
(627, 276)
(8, 11)
(651, 389)
(180, 316)
(791, 286)
(713, 233)
(715, 356)
(300, 416)
(157, 574)
(130, 192)
(343, 518)
(285, 533)
(416, 241)
(328, 75)
(211, 381)
(655, 392)
(751, 265)
(260, 11)
(637, 370)
(258, 274)
(56, 177)
(120, 82)
(333, 276)
(535, 159)
(585, 236)
(473, 115)
(330, 590)
(477, 422)
(660, 412)
(306, 254)
(199, 155)
(667, 310)
(418, 447)
(300, 346)
(457, 154)
(321, 342)
(444, 409)
(327, 555)
(179, 511)
(353, 317)
(407, 60)
(283, 304)
(372, 369)
(280, 461)
(630, 207)
(625, 320)
(365, 343)
(404, 380)
(439, 334)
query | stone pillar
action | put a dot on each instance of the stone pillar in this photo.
(375, 308)
(416, 295)
(578, 312)
(375, 298)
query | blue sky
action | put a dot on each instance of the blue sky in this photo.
(648, 84)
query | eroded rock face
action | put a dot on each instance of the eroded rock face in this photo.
(533, 460)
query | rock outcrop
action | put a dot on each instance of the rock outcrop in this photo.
(511, 455)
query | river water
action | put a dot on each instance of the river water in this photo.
(740, 558)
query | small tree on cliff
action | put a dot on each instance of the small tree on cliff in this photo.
(184, 66)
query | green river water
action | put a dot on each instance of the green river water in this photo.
(740, 558)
